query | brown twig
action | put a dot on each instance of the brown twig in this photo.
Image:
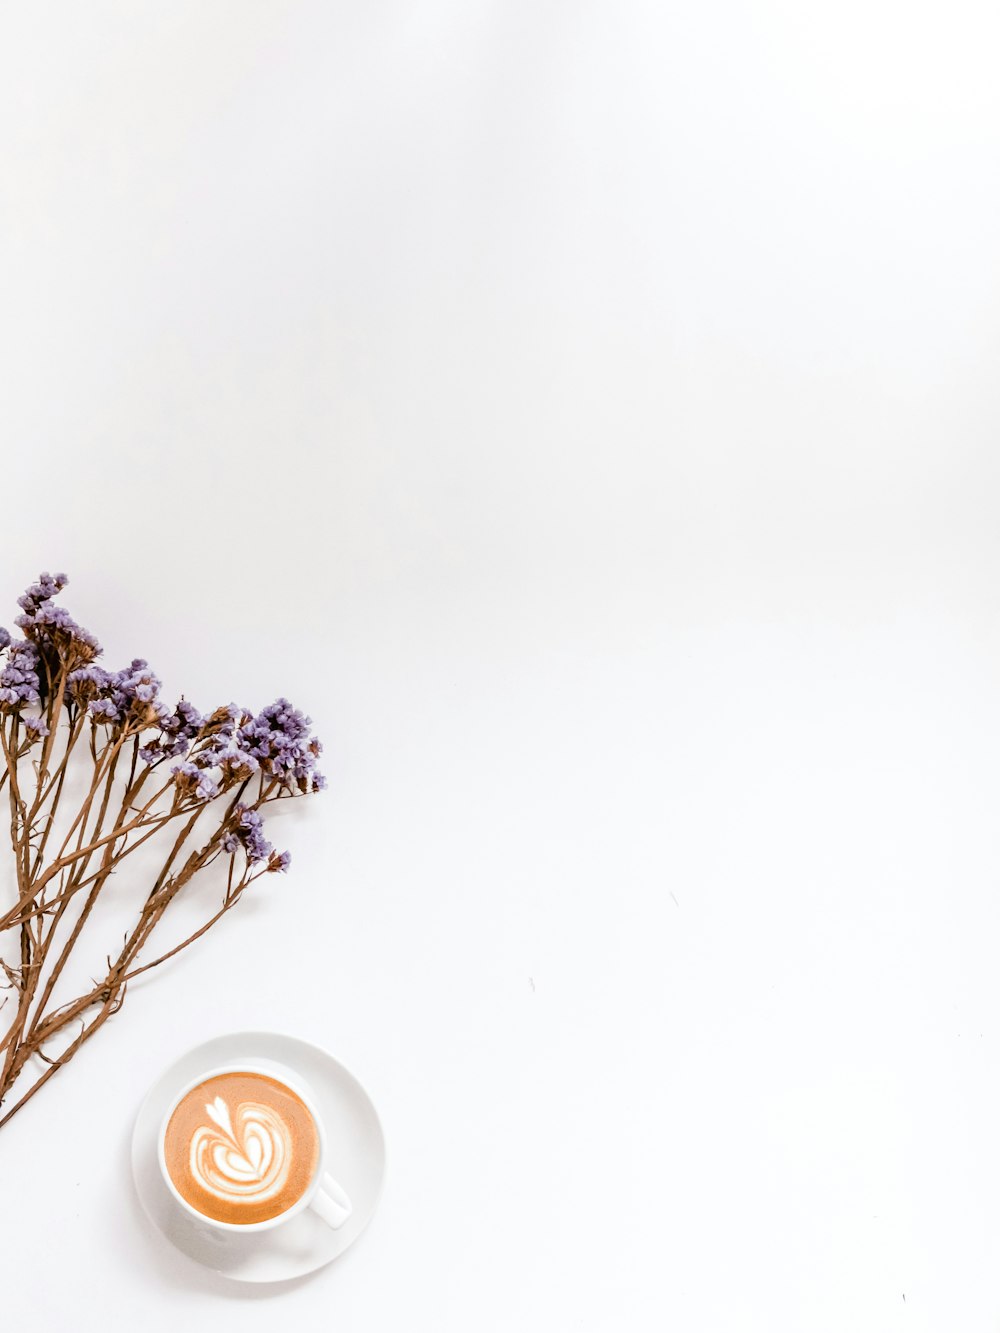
(58, 894)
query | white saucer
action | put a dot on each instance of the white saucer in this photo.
(356, 1158)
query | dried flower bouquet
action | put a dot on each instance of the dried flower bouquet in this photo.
(95, 767)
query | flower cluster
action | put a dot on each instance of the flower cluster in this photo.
(43, 591)
(177, 730)
(85, 684)
(190, 780)
(275, 743)
(247, 832)
(215, 753)
(19, 680)
(52, 627)
(278, 739)
(35, 728)
(127, 697)
(222, 748)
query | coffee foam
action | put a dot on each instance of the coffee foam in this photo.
(250, 1160)
(241, 1147)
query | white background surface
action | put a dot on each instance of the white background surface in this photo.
(588, 413)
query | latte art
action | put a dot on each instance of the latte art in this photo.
(243, 1156)
(241, 1147)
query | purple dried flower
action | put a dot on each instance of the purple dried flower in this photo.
(249, 833)
(216, 752)
(235, 764)
(186, 718)
(128, 696)
(136, 683)
(19, 680)
(46, 587)
(192, 780)
(224, 720)
(278, 738)
(177, 730)
(85, 683)
(52, 627)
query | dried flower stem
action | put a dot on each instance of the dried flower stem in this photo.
(230, 765)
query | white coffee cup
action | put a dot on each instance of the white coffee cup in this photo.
(323, 1195)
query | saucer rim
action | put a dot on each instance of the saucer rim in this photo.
(248, 1035)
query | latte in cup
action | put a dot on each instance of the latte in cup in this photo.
(241, 1147)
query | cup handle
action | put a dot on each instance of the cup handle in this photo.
(331, 1202)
